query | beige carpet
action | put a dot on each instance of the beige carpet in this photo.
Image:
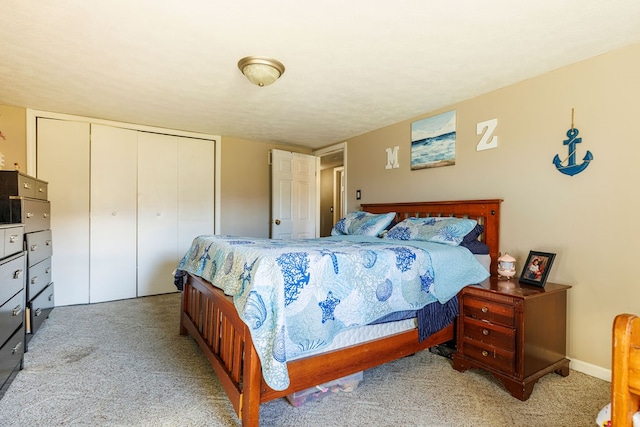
(123, 363)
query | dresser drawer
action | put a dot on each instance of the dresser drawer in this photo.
(490, 311)
(493, 357)
(40, 307)
(34, 214)
(39, 247)
(11, 316)
(14, 183)
(490, 334)
(11, 355)
(38, 277)
(13, 240)
(12, 276)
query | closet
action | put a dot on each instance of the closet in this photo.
(130, 203)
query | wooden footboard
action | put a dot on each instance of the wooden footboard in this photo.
(211, 319)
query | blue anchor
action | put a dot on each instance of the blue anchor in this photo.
(572, 168)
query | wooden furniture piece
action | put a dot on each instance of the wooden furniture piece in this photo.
(625, 369)
(516, 332)
(211, 319)
(23, 199)
(12, 303)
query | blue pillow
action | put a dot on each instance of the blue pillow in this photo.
(450, 231)
(363, 223)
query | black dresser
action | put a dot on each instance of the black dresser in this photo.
(12, 303)
(23, 200)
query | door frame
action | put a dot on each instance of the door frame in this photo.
(342, 146)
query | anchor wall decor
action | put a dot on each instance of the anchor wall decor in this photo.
(571, 168)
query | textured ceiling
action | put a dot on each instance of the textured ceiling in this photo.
(351, 66)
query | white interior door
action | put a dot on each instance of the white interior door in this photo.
(114, 164)
(294, 193)
(63, 160)
(157, 212)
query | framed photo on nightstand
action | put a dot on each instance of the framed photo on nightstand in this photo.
(536, 269)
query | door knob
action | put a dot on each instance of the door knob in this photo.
(277, 221)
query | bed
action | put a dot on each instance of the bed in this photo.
(211, 318)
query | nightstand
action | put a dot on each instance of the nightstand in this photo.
(516, 332)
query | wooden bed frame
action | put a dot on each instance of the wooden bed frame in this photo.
(211, 319)
(625, 371)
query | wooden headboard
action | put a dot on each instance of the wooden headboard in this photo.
(486, 212)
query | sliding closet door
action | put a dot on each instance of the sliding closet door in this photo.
(63, 160)
(196, 166)
(157, 212)
(114, 163)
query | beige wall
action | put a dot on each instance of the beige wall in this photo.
(245, 186)
(13, 125)
(588, 219)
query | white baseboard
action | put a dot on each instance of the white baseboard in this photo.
(589, 369)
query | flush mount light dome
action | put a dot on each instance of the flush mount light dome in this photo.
(261, 71)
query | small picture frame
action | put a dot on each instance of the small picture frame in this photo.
(537, 268)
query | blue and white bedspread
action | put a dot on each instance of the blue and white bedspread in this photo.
(296, 295)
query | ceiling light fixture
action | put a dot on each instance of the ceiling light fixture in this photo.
(261, 71)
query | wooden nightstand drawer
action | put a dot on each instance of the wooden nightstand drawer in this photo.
(483, 309)
(490, 334)
(493, 357)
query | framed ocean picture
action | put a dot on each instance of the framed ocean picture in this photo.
(433, 141)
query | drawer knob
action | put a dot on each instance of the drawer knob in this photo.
(26, 185)
(45, 215)
(485, 353)
(34, 279)
(40, 190)
(48, 243)
(50, 297)
(17, 273)
(47, 270)
(16, 349)
(16, 311)
(485, 309)
(12, 238)
(29, 214)
(485, 332)
(34, 248)
(38, 312)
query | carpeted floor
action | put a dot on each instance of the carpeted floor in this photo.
(123, 363)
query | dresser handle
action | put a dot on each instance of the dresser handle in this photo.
(16, 311)
(29, 214)
(40, 190)
(485, 332)
(34, 279)
(12, 238)
(48, 243)
(38, 312)
(16, 349)
(45, 215)
(50, 297)
(34, 248)
(485, 309)
(26, 185)
(17, 273)
(47, 270)
(485, 353)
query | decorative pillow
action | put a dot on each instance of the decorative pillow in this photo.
(363, 223)
(449, 231)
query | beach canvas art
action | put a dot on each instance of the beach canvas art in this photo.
(433, 141)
